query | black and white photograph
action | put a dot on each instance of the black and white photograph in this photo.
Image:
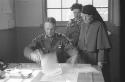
(60, 40)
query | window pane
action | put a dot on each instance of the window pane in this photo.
(67, 3)
(104, 13)
(100, 3)
(53, 3)
(85, 2)
(56, 13)
(66, 13)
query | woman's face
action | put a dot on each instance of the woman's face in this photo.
(87, 18)
(76, 13)
(49, 29)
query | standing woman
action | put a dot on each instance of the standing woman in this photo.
(73, 26)
(93, 39)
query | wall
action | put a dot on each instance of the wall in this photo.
(6, 14)
(116, 12)
(7, 32)
(115, 55)
(115, 40)
(28, 13)
(7, 45)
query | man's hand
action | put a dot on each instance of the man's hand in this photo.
(100, 65)
(36, 55)
(72, 59)
(74, 54)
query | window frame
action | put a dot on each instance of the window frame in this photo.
(63, 23)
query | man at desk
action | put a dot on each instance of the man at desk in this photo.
(50, 42)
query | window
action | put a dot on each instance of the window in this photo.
(60, 9)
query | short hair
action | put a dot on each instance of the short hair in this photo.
(51, 20)
(76, 6)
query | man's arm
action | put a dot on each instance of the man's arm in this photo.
(27, 52)
(100, 58)
(71, 50)
(73, 56)
(32, 51)
(33, 55)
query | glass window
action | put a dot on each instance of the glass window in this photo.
(66, 14)
(85, 2)
(60, 9)
(56, 13)
(53, 3)
(104, 13)
(100, 3)
(67, 3)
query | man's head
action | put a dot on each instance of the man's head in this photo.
(50, 26)
(76, 8)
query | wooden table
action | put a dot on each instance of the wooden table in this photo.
(77, 73)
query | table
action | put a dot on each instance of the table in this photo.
(77, 73)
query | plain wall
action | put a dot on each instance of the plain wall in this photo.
(6, 14)
(28, 13)
(7, 32)
(8, 50)
(116, 12)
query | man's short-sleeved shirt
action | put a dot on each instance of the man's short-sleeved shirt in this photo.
(51, 44)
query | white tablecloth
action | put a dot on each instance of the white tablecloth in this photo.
(77, 73)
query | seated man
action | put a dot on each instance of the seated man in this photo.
(50, 42)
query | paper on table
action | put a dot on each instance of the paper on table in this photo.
(87, 77)
(87, 69)
(90, 77)
(50, 67)
(19, 73)
(14, 80)
(57, 78)
(49, 64)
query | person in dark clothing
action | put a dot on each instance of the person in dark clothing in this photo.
(93, 40)
(50, 42)
(74, 25)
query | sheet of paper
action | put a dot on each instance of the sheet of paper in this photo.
(15, 80)
(57, 78)
(49, 64)
(84, 68)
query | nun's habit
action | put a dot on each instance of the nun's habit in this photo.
(93, 39)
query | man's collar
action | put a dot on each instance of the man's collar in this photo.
(49, 36)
